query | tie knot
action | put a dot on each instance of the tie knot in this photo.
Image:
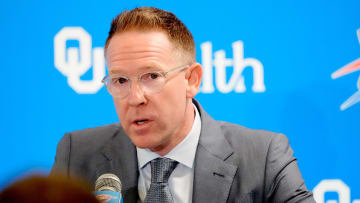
(161, 169)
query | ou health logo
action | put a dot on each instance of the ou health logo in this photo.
(73, 62)
(347, 69)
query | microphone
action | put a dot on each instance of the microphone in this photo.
(108, 188)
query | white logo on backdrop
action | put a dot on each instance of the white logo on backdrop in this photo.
(73, 62)
(335, 186)
(236, 82)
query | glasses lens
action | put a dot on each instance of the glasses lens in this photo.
(152, 82)
(118, 86)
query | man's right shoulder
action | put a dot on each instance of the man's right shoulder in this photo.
(104, 132)
(78, 149)
(90, 140)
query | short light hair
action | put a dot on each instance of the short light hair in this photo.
(154, 19)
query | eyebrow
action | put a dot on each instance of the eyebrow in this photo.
(142, 69)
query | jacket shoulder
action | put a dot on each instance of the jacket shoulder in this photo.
(95, 134)
(253, 142)
(240, 135)
(92, 139)
(76, 147)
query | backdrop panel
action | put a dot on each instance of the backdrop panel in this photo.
(286, 66)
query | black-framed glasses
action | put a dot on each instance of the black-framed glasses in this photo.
(150, 82)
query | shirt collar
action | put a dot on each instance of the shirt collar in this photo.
(183, 153)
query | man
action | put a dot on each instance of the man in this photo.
(153, 78)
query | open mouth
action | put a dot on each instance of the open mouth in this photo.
(141, 122)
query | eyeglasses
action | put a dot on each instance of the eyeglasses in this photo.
(149, 82)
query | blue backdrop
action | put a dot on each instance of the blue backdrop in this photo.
(269, 65)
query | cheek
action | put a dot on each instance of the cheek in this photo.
(174, 101)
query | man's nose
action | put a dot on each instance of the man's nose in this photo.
(136, 95)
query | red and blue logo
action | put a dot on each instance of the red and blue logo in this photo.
(345, 70)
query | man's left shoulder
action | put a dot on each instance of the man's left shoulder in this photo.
(240, 136)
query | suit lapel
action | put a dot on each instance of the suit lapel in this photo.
(213, 176)
(120, 158)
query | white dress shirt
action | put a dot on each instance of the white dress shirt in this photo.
(181, 179)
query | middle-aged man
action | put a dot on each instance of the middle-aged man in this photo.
(166, 147)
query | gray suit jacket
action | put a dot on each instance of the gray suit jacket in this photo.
(232, 163)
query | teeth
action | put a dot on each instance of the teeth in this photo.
(140, 122)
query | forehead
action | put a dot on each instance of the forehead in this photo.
(135, 50)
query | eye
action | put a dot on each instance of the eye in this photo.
(122, 80)
(119, 80)
(154, 76)
(151, 76)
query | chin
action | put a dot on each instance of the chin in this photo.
(143, 143)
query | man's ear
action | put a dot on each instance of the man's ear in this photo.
(193, 78)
